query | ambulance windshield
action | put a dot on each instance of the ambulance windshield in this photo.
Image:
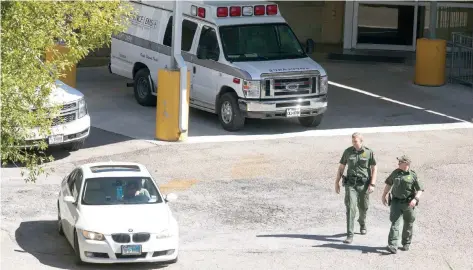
(260, 42)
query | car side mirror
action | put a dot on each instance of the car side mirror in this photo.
(69, 199)
(170, 197)
(310, 46)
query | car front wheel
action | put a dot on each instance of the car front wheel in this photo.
(77, 251)
(59, 222)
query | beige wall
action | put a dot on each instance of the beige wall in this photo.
(320, 20)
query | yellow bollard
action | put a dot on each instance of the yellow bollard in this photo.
(431, 57)
(70, 73)
(167, 108)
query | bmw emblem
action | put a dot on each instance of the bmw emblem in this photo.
(130, 230)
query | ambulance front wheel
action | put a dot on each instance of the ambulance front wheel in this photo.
(142, 87)
(229, 113)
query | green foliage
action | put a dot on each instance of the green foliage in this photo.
(29, 29)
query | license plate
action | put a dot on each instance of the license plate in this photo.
(131, 250)
(293, 112)
(55, 139)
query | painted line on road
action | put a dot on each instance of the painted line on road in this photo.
(394, 101)
(319, 133)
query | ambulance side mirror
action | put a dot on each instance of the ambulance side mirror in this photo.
(310, 46)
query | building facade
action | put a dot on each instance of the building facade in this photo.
(338, 26)
(377, 25)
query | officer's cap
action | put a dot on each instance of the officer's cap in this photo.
(404, 159)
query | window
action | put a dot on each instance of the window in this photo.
(70, 180)
(208, 44)
(188, 33)
(120, 190)
(258, 42)
(77, 184)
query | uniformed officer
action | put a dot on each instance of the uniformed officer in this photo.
(360, 182)
(406, 191)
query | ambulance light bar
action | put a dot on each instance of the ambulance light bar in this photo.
(237, 11)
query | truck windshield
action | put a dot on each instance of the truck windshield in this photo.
(257, 42)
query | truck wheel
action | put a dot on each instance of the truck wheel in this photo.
(229, 113)
(311, 121)
(142, 88)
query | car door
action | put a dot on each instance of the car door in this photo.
(204, 73)
(66, 207)
(74, 187)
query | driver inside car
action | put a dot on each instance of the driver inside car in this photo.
(135, 191)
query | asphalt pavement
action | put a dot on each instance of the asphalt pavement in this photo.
(270, 205)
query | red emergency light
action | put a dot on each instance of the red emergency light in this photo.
(259, 10)
(198, 11)
(222, 12)
(201, 12)
(272, 9)
(235, 11)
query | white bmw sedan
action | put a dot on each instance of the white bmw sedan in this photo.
(114, 212)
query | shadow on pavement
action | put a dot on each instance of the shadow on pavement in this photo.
(363, 249)
(100, 137)
(325, 238)
(42, 240)
(113, 108)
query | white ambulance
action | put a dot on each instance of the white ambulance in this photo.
(245, 60)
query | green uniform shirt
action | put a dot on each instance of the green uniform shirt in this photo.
(359, 162)
(404, 184)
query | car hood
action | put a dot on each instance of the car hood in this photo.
(62, 93)
(108, 219)
(256, 68)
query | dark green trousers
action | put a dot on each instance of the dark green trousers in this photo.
(356, 197)
(399, 209)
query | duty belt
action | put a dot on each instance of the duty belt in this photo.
(357, 180)
(405, 200)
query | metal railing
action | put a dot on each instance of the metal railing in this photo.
(460, 59)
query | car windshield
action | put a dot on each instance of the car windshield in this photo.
(120, 190)
(259, 42)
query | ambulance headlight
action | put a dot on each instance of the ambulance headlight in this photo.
(323, 85)
(252, 89)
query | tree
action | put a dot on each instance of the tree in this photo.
(29, 29)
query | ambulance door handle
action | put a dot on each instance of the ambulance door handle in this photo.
(193, 69)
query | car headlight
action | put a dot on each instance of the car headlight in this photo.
(252, 89)
(324, 84)
(93, 235)
(82, 108)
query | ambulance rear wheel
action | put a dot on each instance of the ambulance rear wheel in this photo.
(142, 88)
(229, 113)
